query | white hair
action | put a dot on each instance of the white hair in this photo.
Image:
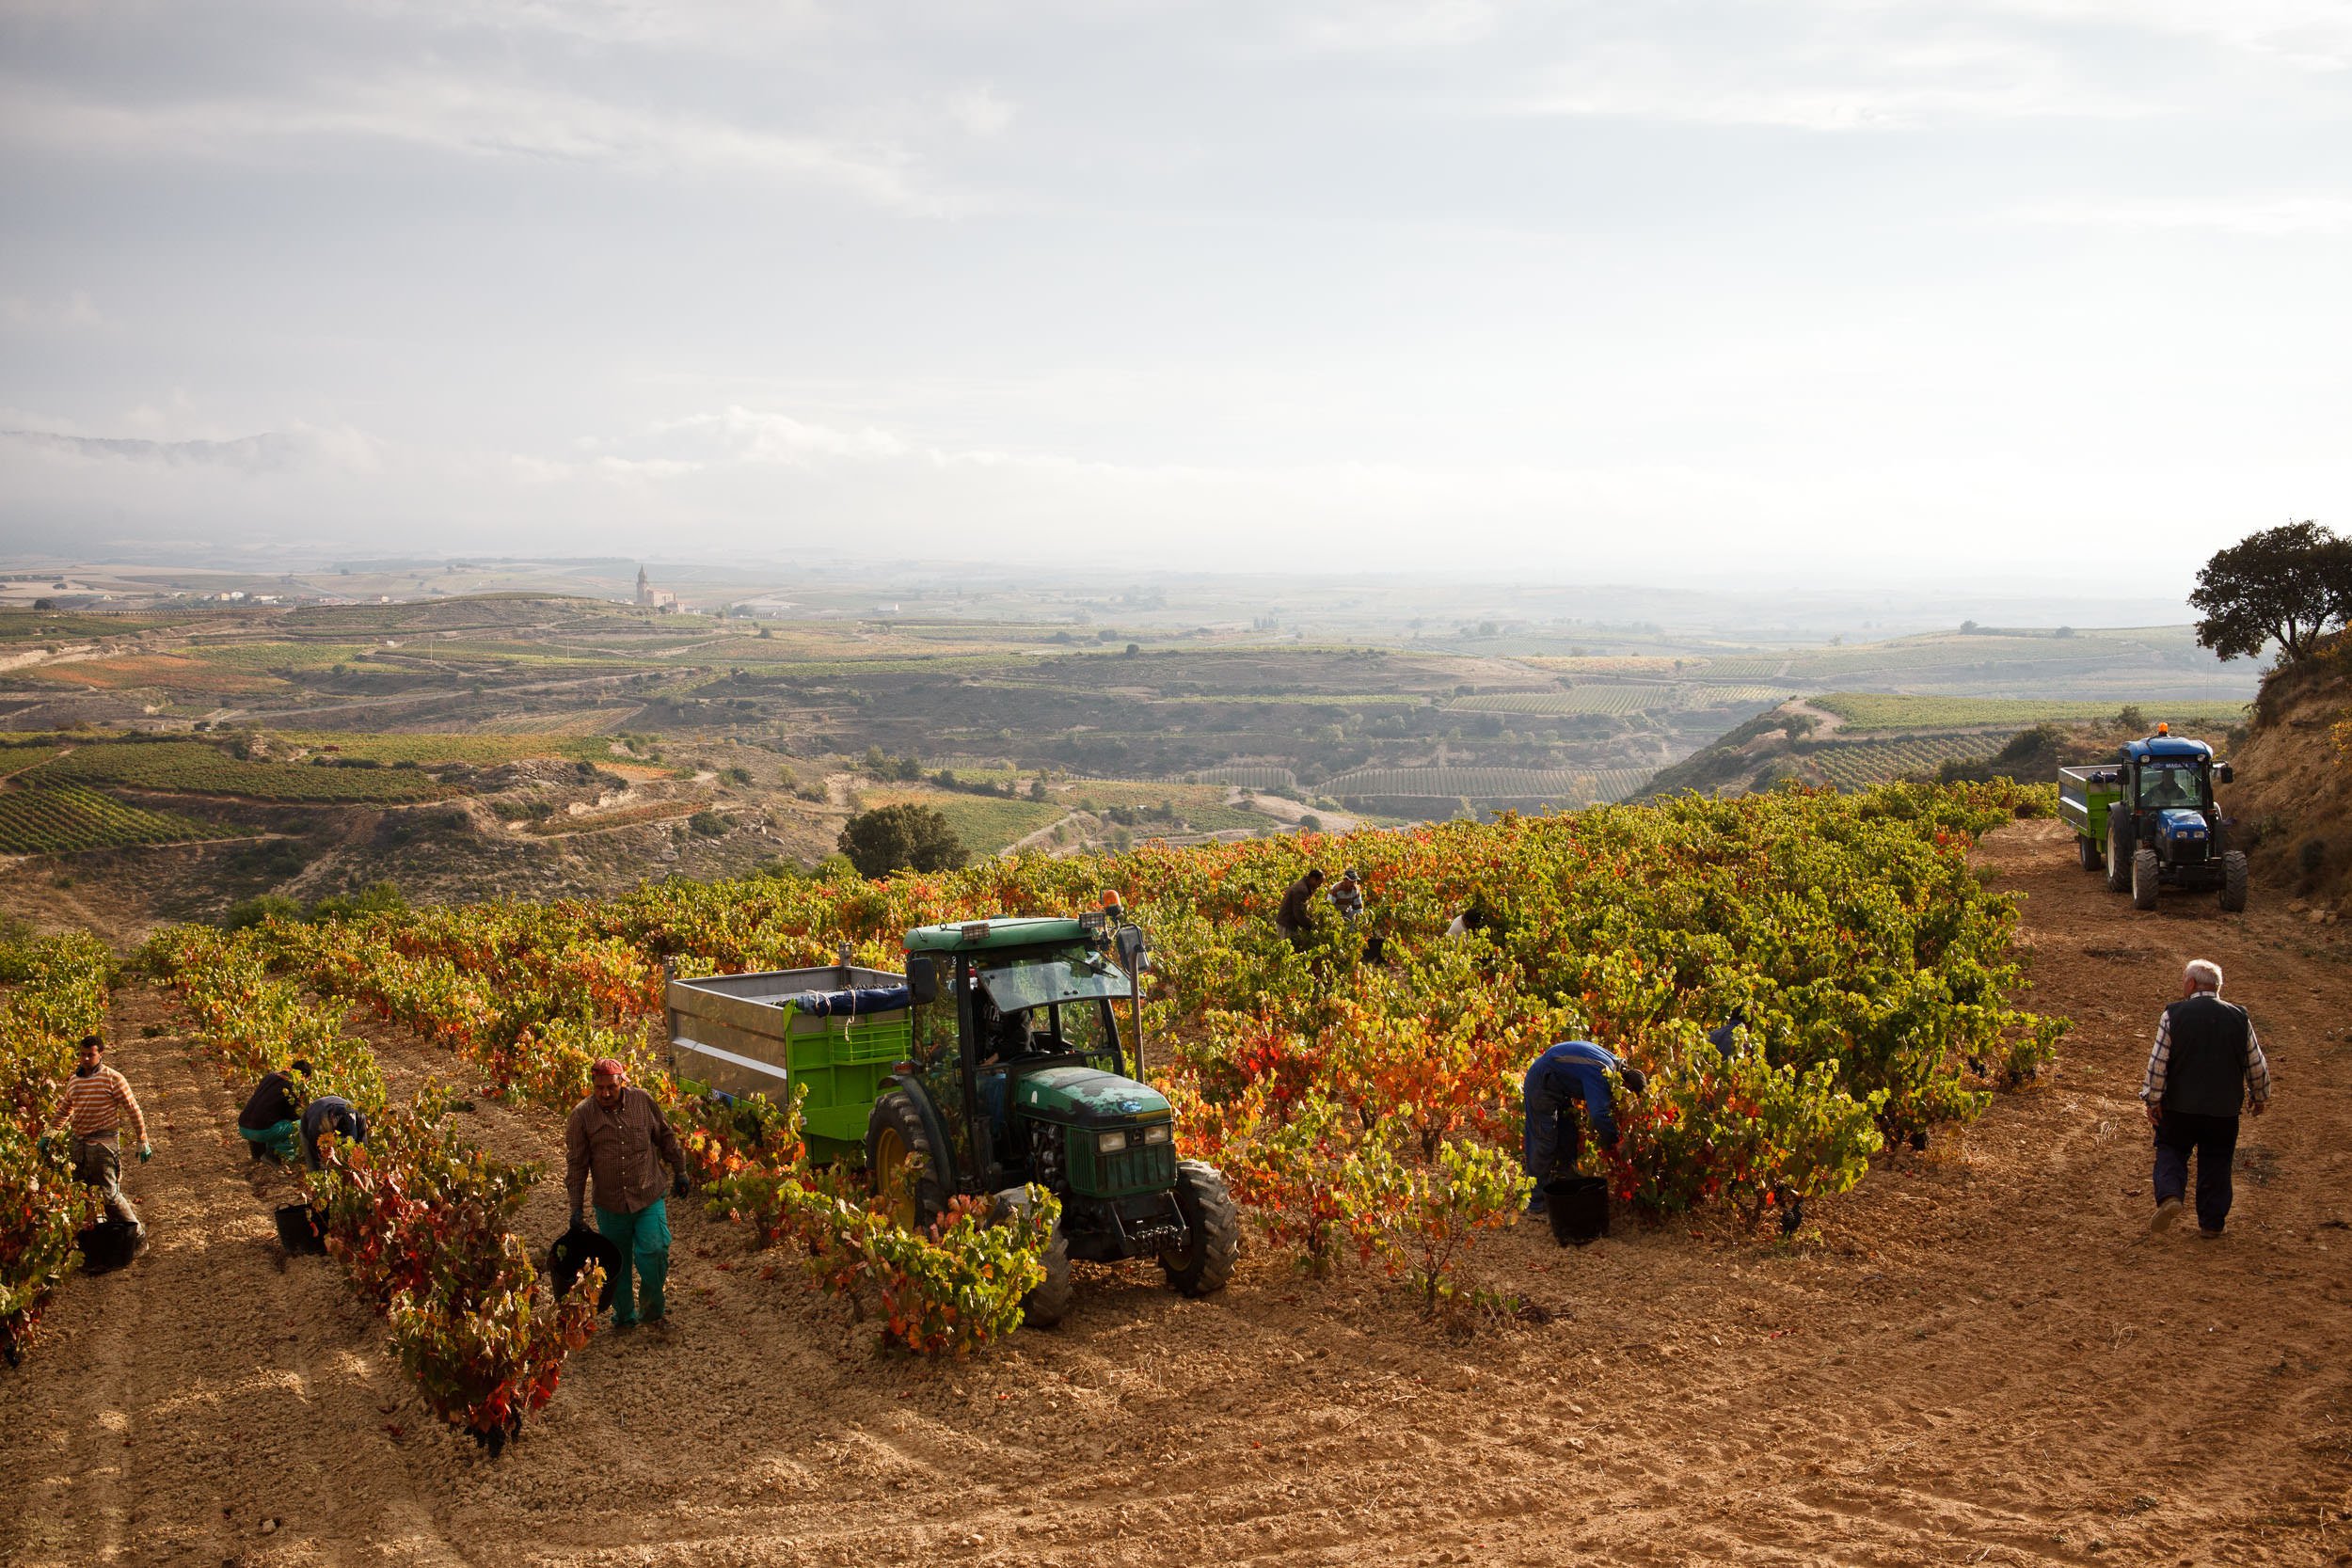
(2204, 974)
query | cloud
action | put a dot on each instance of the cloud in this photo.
(271, 452)
(980, 111)
(752, 436)
(2310, 35)
(2265, 218)
(75, 311)
(1399, 24)
(471, 118)
(1838, 74)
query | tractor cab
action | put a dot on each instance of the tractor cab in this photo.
(1018, 1077)
(1016, 1034)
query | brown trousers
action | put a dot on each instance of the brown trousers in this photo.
(97, 1162)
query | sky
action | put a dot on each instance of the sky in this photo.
(2042, 293)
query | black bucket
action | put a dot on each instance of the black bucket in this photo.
(298, 1230)
(106, 1245)
(573, 1252)
(1578, 1207)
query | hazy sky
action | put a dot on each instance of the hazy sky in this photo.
(1655, 289)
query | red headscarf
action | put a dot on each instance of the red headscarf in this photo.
(606, 1066)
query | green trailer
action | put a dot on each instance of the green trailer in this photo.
(992, 1064)
(760, 1033)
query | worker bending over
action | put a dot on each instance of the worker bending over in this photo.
(1570, 1073)
(330, 1113)
(271, 1122)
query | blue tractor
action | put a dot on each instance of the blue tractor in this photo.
(2149, 820)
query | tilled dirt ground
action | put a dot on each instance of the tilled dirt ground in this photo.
(1978, 1357)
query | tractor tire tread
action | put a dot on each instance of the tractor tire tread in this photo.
(2233, 881)
(897, 1110)
(1050, 1302)
(2145, 875)
(1210, 1210)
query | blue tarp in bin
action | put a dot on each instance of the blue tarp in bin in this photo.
(849, 1004)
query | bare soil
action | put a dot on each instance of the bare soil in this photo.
(1980, 1356)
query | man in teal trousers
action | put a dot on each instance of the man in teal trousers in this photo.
(619, 1135)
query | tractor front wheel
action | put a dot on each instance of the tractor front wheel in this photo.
(1049, 1302)
(899, 1159)
(2144, 880)
(2087, 852)
(1212, 1232)
(2118, 858)
(2233, 881)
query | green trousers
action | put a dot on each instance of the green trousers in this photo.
(643, 1239)
(280, 1141)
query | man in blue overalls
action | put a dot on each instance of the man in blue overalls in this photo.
(1570, 1072)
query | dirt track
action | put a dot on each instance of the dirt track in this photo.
(1981, 1358)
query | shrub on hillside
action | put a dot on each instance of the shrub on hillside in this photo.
(904, 837)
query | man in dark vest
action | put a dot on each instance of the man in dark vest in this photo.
(2205, 1066)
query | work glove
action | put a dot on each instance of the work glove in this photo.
(46, 1142)
(683, 1185)
(147, 1152)
(580, 1219)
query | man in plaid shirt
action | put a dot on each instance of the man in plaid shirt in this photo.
(2205, 1066)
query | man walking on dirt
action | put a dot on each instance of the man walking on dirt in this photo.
(620, 1134)
(2206, 1065)
(97, 1098)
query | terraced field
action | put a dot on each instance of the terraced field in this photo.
(985, 824)
(1280, 780)
(1881, 711)
(191, 766)
(481, 749)
(1490, 783)
(64, 817)
(1599, 697)
(177, 672)
(1857, 764)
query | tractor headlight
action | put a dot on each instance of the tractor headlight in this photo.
(1158, 1133)
(1109, 1143)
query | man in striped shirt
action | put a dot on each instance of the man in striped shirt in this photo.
(97, 1099)
(2207, 1065)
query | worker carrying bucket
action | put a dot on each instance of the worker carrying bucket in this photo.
(1570, 1073)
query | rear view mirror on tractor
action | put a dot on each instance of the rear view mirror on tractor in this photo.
(922, 979)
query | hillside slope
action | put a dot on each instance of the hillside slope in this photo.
(2293, 788)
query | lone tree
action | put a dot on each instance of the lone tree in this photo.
(905, 837)
(2284, 584)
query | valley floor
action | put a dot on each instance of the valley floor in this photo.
(1977, 1358)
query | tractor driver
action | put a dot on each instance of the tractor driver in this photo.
(2171, 787)
(1007, 1038)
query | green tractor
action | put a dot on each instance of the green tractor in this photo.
(994, 1063)
(2149, 820)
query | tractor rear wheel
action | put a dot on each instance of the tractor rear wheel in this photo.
(2144, 880)
(1212, 1232)
(899, 1159)
(2233, 881)
(2118, 858)
(2087, 852)
(1049, 1302)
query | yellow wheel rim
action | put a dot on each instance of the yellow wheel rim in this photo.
(891, 1164)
